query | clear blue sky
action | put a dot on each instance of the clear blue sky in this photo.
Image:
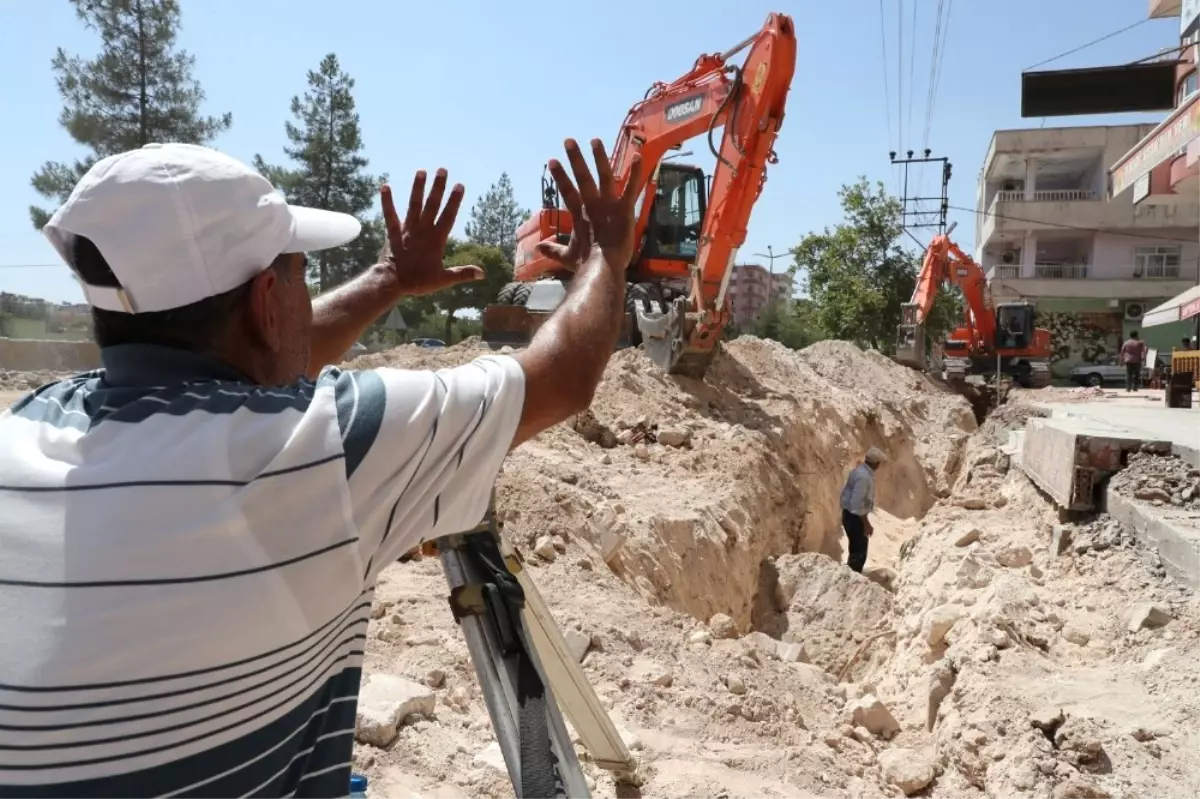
(483, 87)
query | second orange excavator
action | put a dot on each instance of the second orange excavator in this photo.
(999, 336)
(688, 233)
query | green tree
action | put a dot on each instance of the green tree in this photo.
(497, 271)
(326, 147)
(495, 218)
(790, 321)
(139, 89)
(858, 275)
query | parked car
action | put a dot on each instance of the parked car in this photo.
(429, 343)
(1110, 370)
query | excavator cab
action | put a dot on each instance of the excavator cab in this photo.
(1015, 325)
(680, 201)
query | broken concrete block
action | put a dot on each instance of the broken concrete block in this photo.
(1147, 615)
(793, 653)
(577, 643)
(869, 712)
(1060, 539)
(907, 769)
(384, 702)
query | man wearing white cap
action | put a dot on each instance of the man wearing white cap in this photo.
(858, 500)
(190, 537)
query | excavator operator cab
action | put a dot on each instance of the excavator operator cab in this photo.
(673, 231)
(1015, 324)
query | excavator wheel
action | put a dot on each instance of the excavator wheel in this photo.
(505, 296)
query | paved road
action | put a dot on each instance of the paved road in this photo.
(1143, 415)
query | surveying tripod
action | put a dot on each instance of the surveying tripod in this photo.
(525, 669)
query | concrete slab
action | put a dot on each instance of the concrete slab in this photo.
(1141, 415)
(1173, 532)
(1070, 457)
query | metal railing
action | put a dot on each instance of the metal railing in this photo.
(1060, 271)
(1006, 271)
(1160, 272)
(1048, 196)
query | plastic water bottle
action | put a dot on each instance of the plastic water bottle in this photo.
(358, 786)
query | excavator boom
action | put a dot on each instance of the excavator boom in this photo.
(688, 235)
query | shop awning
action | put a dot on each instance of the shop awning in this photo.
(1171, 136)
(1176, 309)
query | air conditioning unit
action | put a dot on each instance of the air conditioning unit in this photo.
(1134, 311)
(1010, 257)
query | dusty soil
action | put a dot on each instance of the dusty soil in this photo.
(972, 661)
(21, 382)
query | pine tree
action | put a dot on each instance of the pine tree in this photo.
(326, 144)
(495, 218)
(138, 90)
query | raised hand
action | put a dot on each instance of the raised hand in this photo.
(601, 216)
(415, 248)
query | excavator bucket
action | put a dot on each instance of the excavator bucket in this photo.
(910, 338)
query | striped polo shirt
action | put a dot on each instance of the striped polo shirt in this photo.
(187, 563)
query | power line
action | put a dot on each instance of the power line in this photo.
(900, 78)
(28, 266)
(1065, 226)
(1089, 44)
(887, 93)
(912, 64)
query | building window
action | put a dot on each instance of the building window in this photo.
(1189, 85)
(1162, 261)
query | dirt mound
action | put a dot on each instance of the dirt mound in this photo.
(1159, 479)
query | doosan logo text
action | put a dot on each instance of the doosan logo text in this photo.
(684, 108)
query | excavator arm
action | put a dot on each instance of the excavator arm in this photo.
(945, 263)
(747, 102)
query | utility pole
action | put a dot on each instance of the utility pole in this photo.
(943, 201)
(770, 256)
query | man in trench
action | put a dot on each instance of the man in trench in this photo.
(858, 500)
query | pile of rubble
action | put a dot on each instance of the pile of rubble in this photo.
(1159, 480)
(26, 381)
(680, 532)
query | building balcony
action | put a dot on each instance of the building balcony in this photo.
(1014, 217)
(1081, 281)
(1047, 196)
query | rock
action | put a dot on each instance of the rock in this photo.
(967, 538)
(735, 684)
(435, 678)
(869, 712)
(490, 758)
(577, 643)
(1013, 556)
(793, 653)
(384, 702)
(941, 682)
(1151, 494)
(610, 544)
(761, 646)
(1156, 657)
(882, 576)
(544, 548)
(1077, 787)
(674, 436)
(560, 545)
(641, 451)
(1147, 615)
(972, 503)
(1060, 539)
(1076, 635)
(649, 671)
(907, 769)
(938, 623)
(700, 637)
(722, 626)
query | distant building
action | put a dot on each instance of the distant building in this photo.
(1048, 232)
(751, 288)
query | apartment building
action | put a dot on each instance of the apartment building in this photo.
(1046, 231)
(751, 287)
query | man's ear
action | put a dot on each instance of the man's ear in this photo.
(264, 312)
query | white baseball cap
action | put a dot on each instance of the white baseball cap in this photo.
(178, 223)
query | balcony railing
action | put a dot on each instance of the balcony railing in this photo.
(1160, 272)
(1060, 271)
(1048, 196)
(1006, 271)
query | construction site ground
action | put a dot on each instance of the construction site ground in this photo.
(686, 535)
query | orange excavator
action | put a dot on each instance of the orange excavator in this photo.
(999, 336)
(688, 234)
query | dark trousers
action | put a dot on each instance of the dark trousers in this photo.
(1133, 376)
(853, 525)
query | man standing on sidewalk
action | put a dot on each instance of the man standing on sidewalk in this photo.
(1133, 355)
(858, 500)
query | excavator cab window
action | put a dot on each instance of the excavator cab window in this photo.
(1014, 325)
(679, 204)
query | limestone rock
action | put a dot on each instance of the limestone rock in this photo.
(700, 637)
(1013, 556)
(544, 548)
(722, 626)
(577, 643)
(939, 623)
(793, 653)
(384, 702)
(871, 713)
(649, 671)
(490, 758)
(735, 684)
(761, 646)
(674, 436)
(1060, 540)
(907, 769)
(1147, 615)
(968, 537)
